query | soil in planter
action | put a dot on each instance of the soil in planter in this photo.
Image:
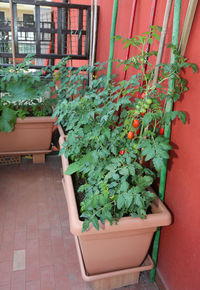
(77, 182)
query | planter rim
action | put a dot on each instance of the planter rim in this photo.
(44, 119)
(61, 132)
(160, 216)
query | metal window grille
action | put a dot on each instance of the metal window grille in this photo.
(52, 31)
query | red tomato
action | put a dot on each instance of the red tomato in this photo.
(161, 131)
(130, 135)
(138, 131)
(122, 152)
(142, 95)
(136, 123)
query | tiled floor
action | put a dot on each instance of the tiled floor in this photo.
(37, 251)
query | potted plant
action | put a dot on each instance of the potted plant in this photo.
(25, 110)
(114, 139)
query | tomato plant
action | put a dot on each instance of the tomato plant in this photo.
(118, 162)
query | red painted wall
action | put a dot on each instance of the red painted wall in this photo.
(179, 253)
(180, 244)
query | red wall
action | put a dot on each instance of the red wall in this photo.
(179, 253)
(180, 243)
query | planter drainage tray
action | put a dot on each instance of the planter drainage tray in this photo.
(114, 279)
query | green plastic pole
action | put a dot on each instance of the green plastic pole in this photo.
(112, 40)
(169, 107)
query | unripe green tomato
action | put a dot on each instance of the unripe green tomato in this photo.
(137, 112)
(143, 111)
(148, 101)
(146, 106)
(137, 107)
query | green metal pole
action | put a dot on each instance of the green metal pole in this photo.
(112, 40)
(169, 107)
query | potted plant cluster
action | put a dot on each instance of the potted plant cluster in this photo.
(25, 109)
(115, 141)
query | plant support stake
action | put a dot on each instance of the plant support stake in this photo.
(192, 6)
(169, 107)
(112, 40)
(12, 31)
(162, 39)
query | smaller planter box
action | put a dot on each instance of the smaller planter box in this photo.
(113, 247)
(31, 135)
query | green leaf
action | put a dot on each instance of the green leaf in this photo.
(124, 171)
(194, 67)
(72, 168)
(156, 36)
(150, 40)
(128, 198)
(7, 120)
(120, 201)
(76, 166)
(95, 223)
(115, 176)
(150, 154)
(131, 168)
(165, 146)
(144, 181)
(138, 200)
(158, 163)
(182, 116)
(147, 119)
(124, 186)
(85, 226)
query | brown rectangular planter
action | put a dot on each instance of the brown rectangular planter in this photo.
(29, 135)
(113, 247)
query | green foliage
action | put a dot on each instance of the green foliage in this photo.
(23, 94)
(118, 171)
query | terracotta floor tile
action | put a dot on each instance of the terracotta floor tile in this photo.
(20, 224)
(6, 251)
(61, 278)
(32, 232)
(33, 285)
(5, 287)
(18, 280)
(5, 272)
(32, 250)
(20, 240)
(32, 272)
(75, 279)
(70, 251)
(47, 278)
(44, 237)
(45, 253)
(43, 222)
(8, 235)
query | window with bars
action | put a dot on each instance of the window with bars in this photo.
(53, 31)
